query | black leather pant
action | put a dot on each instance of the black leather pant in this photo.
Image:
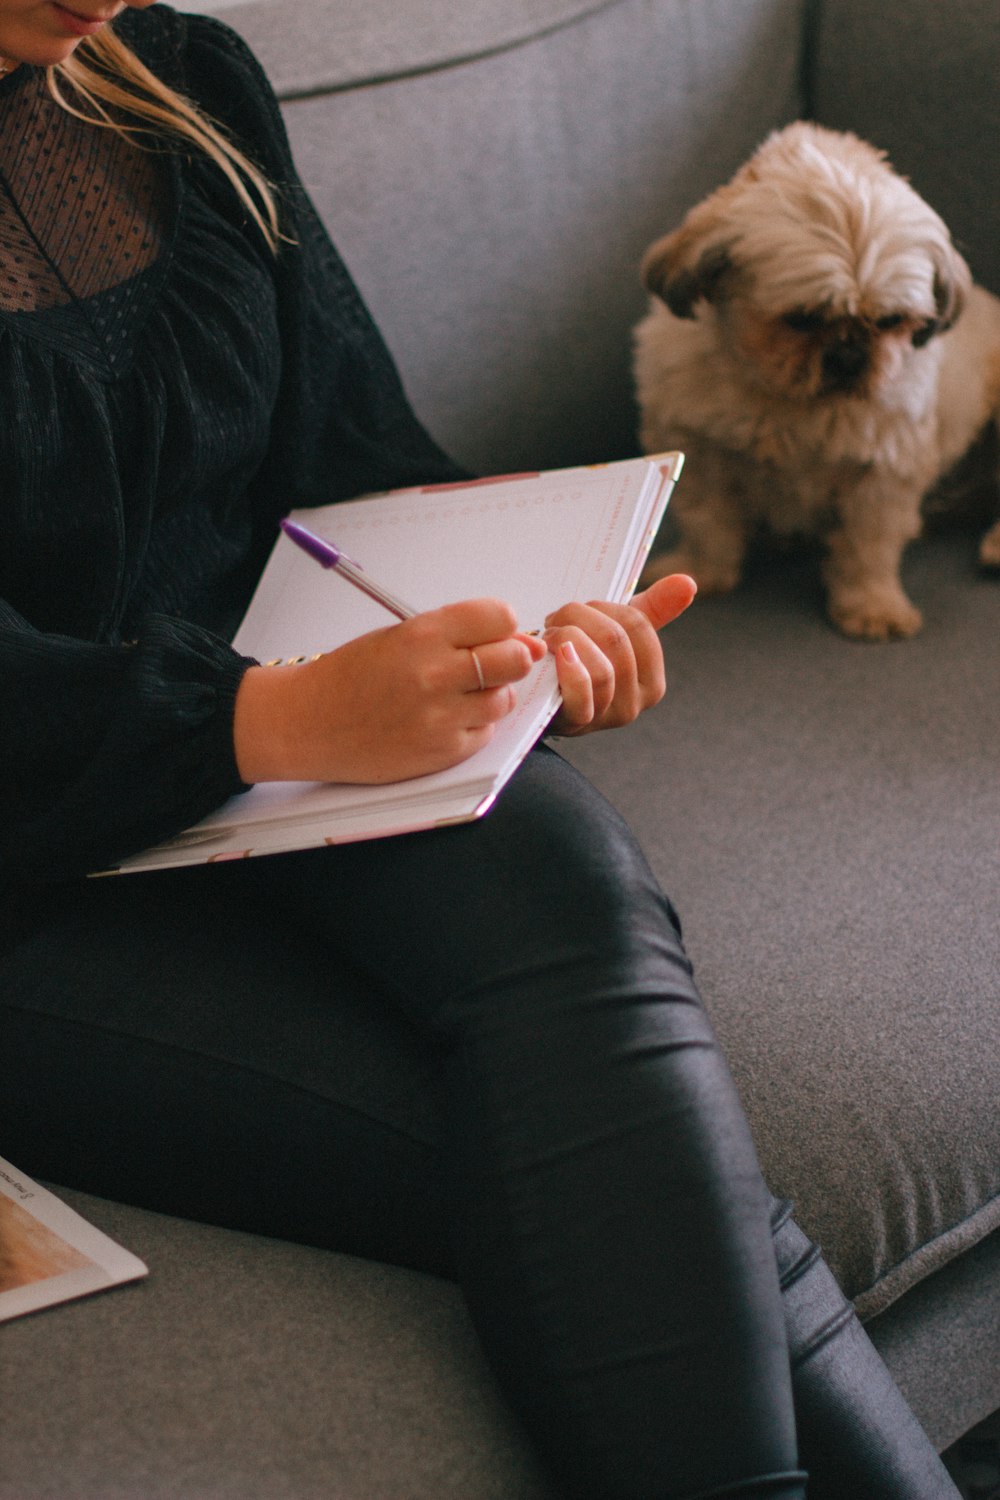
(658, 1322)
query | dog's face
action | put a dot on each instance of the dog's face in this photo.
(823, 272)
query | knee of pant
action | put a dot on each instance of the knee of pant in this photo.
(584, 858)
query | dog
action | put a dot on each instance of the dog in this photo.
(816, 346)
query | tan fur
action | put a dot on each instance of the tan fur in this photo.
(817, 348)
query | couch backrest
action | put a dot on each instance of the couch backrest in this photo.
(921, 80)
(493, 171)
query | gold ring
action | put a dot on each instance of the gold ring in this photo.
(479, 670)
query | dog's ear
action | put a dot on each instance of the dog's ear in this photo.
(952, 284)
(679, 285)
(691, 264)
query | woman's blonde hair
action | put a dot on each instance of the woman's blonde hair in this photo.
(107, 81)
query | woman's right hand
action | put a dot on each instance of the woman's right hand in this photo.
(395, 703)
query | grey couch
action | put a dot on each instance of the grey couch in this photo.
(825, 814)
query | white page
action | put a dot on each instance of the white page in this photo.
(539, 541)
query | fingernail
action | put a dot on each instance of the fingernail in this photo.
(569, 653)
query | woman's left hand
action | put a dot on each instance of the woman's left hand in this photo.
(608, 656)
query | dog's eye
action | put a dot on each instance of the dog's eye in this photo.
(890, 320)
(801, 321)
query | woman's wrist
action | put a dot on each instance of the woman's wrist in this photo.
(263, 724)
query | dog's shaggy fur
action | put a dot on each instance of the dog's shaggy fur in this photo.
(817, 348)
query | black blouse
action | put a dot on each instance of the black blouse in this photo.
(170, 388)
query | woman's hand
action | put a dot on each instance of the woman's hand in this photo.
(394, 703)
(608, 656)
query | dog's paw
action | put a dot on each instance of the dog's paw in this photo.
(989, 548)
(876, 618)
(711, 577)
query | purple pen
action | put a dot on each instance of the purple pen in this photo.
(329, 556)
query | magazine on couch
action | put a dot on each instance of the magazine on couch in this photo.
(48, 1253)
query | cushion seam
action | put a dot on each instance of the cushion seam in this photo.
(880, 1294)
(444, 62)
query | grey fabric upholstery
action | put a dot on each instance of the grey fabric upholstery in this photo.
(824, 813)
(493, 210)
(247, 1368)
(826, 816)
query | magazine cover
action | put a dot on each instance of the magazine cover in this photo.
(48, 1253)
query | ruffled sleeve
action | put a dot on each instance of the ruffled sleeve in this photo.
(109, 748)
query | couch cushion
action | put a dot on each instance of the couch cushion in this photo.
(940, 1342)
(825, 814)
(249, 1369)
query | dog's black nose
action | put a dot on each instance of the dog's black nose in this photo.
(844, 363)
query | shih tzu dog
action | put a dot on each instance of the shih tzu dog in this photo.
(816, 346)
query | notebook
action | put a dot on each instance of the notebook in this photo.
(537, 540)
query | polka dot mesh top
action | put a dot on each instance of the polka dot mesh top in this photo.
(170, 386)
(82, 210)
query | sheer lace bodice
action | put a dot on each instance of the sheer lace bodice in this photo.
(81, 210)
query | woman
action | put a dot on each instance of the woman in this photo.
(182, 357)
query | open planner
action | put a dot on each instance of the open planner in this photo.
(537, 540)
